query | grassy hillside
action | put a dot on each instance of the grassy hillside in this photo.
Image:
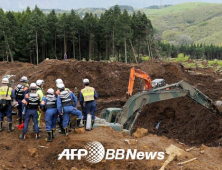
(196, 22)
(199, 21)
(174, 9)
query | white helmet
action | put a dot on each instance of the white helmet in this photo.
(60, 86)
(33, 86)
(5, 81)
(50, 91)
(24, 79)
(39, 82)
(59, 81)
(85, 81)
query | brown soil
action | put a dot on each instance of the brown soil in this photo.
(181, 119)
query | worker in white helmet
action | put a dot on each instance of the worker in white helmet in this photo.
(20, 91)
(40, 91)
(87, 101)
(6, 96)
(31, 103)
(60, 118)
(49, 103)
(66, 105)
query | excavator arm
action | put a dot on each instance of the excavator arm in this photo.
(125, 118)
(132, 108)
(140, 74)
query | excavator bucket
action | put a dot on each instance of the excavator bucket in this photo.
(131, 81)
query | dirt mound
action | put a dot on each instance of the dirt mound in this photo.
(181, 118)
(37, 154)
(171, 72)
(110, 80)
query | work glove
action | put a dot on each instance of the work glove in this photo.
(14, 103)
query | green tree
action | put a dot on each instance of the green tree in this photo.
(51, 26)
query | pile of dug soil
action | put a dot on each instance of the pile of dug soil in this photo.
(183, 118)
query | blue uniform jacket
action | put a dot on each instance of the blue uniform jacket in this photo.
(44, 102)
(59, 102)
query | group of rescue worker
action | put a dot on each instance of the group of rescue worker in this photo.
(58, 106)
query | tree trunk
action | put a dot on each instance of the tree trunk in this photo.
(125, 50)
(133, 50)
(37, 48)
(55, 46)
(106, 50)
(118, 55)
(113, 44)
(80, 48)
(9, 50)
(90, 48)
(43, 52)
(6, 56)
(148, 47)
(30, 57)
(65, 51)
(74, 51)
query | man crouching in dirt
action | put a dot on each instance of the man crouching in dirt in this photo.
(66, 105)
(49, 103)
(31, 102)
(88, 95)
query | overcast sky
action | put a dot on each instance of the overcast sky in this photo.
(75, 4)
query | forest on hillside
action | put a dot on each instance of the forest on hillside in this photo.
(32, 36)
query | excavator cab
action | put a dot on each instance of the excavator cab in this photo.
(110, 114)
(158, 83)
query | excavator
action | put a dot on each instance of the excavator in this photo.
(123, 119)
(143, 75)
(138, 73)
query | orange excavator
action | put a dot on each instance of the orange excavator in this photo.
(140, 74)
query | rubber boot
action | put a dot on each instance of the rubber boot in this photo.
(66, 131)
(53, 133)
(37, 136)
(92, 123)
(49, 139)
(1, 127)
(10, 129)
(78, 125)
(84, 123)
(22, 136)
(20, 121)
(62, 131)
(70, 126)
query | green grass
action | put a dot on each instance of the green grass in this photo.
(181, 58)
(192, 65)
(145, 58)
(212, 63)
(201, 21)
(174, 9)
